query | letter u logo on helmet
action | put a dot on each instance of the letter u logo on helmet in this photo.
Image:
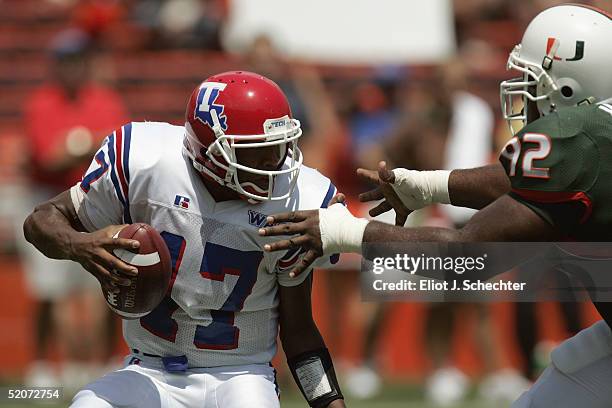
(243, 110)
(561, 59)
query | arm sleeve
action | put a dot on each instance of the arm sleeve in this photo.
(102, 196)
(552, 170)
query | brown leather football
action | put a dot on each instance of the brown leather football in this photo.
(149, 287)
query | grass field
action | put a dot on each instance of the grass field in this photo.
(298, 403)
(393, 396)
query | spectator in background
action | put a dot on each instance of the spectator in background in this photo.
(414, 131)
(448, 125)
(469, 14)
(470, 139)
(96, 17)
(264, 58)
(419, 139)
(65, 121)
(185, 24)
(372, 120)
(307, 95)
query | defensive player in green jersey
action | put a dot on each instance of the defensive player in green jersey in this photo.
(560, 166)
(555, 182)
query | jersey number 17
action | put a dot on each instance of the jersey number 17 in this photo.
(217, 262)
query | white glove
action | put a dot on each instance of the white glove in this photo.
(418, 189)
(340, 230)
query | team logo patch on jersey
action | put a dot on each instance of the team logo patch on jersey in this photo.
(207, 110)
(182, 202)
(257, 219)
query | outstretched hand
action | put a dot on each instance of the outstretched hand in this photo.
(305, 224)
(384, 178)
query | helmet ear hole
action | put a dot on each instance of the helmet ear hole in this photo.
(567, 91)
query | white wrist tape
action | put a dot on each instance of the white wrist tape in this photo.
(418, 189)
(340, 230)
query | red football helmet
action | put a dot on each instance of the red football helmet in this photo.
(242, 110)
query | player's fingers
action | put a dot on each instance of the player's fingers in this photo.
(395, 202)
(116, 242)
(282, 229)
(293, 216)
(277, 246)
(113, 230)
(380, 209)
(400, 218)
(115, 278)
(288, 228)
(112, 263)
(290, 243)
(305, 263)
(106, 278)
(97, 271)
(338, 198)
(370, 175)
(385, 174)
(108, 286)
(372, 195)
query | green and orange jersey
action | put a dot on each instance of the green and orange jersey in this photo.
(560, 166)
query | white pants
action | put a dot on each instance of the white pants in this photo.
(148, 385)
(580, 374)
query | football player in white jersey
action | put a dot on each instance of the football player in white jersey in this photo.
(207, 187)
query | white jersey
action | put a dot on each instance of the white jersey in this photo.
(223, 304)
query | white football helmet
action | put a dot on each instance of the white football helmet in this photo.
(565, 59)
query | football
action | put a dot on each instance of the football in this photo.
(149, 287)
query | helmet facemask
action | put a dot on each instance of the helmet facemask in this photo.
(222, 153)
(535, 85)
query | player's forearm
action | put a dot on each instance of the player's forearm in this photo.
(377, 232)
(307, 356)
(50, 231)
(301, 338)
(505, 220)
(339, 403)
(479, 187)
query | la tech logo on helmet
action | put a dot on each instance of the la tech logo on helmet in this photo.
(578, 54)
(207, 111)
